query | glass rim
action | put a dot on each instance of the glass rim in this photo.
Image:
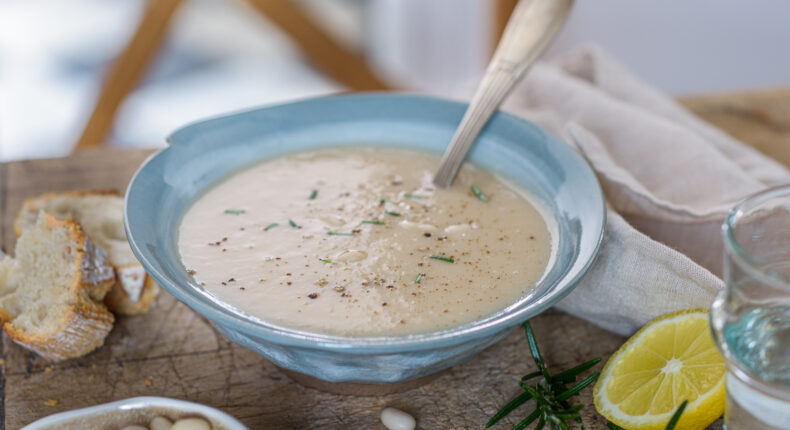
(734, 249)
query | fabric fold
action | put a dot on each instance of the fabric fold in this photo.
(669, 179)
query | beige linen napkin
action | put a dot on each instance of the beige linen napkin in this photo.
(669, 179)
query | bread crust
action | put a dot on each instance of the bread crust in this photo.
(131, 294)
(85, 321)
(84, 329)
(122, 304)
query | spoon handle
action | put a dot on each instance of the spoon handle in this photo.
(529, 29)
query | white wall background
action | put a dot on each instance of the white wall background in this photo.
(689, 46)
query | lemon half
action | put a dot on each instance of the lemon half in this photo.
(671, 359)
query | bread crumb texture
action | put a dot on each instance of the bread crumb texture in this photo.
(100, 214)
(51, 293)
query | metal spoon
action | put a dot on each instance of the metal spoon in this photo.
(530, 28)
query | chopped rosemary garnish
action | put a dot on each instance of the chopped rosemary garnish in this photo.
(384, 199)
(550, 393)
(419, 278)
(414, 196)
(392, 213)
(332, 233)
(479, 194)
(324, 260)
(440, 258)
(293, 224)
(270, 226)
(235, 211)
(373, 222)
(314, 194)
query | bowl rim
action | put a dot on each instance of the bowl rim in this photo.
(140, 402)
(283, 335)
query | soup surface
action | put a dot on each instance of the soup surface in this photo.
(356, 241)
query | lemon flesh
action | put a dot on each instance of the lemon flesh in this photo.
(671, 359)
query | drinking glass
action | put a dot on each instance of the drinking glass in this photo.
(750, 318)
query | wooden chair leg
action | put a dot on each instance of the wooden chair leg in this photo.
(128, 69)
(325, 52)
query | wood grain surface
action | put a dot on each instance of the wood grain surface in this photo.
(174, 352)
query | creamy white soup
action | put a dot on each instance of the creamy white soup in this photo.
(357, 241)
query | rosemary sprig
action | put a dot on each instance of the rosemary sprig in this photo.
(480, 195)
(440, 258)
(670, 425)
(392, 213)
(551, 393)
(270, 226)
(373, 222)
(235, 211)
(414, 196)
(313, 195)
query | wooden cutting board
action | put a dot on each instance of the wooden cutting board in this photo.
(174, 352)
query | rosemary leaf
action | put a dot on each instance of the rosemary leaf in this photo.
(332, 233)
(414, 196)
(613, 426)
(419, 278)
(324, 260)
(578, 387)
(533, 349)
(676, 417)
(534, 393)
(570, 374)
(392, 213)
(572, 410)
(292, 223)
(549, 392)
(480, 195)
(513, 404)
(528, 420)
(373, 222)
(235, 211)
(270, 226)
(313, 195)
(529, 376)
(440, 258)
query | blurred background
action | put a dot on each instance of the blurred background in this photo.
(127, 72)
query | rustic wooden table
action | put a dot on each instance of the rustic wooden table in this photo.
(174, 352)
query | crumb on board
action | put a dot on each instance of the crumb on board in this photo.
(47, 369)
(148, 382)
(52, 402)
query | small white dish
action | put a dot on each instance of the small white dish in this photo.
(136, 410)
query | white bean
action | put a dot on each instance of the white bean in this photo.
(161, 423)
(395, 419)
(191, 424)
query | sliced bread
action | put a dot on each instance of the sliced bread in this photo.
(100, 214)
(51, 293)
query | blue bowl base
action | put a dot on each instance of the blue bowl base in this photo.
(360, 389)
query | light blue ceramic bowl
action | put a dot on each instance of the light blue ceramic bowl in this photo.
(202, 153)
